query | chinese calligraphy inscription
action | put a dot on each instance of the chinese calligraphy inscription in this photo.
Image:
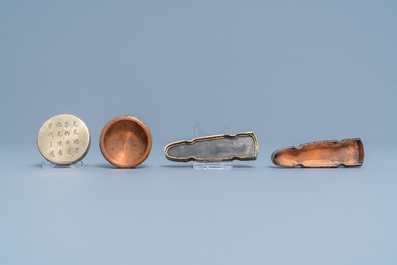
(64, 139)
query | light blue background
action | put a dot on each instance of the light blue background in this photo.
(291, 71)
(300, 71)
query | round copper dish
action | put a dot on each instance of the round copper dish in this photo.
(125, 141)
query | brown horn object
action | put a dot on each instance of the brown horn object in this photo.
(331, 153)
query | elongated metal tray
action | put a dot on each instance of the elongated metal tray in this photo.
(223, 147)
(330, 153)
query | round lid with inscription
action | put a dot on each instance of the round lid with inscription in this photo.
(125, 141)
(64, 139)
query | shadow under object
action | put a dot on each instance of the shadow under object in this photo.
(125, 141)
(223, 147)
(330, 153)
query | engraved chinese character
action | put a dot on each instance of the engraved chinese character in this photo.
(58, 124)
(59, 143)
(52, 153)
(66, 124)
(60, 152)
(50, 126)
(50, 144)
(67, 133)
(75, 124)
(68, 151)
(59, 134)
(76, 141)
(75, 132)
(77, 151)
(50, 135)
(67, 142)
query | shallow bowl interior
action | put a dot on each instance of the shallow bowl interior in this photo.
(125, 143)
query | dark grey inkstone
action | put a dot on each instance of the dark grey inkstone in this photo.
(242, 146)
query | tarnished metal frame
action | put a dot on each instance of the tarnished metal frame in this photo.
(316, 142)
(212, 137)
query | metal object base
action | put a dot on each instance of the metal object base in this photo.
(49, 165)
(212, 165)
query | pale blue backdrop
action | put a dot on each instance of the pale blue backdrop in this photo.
(287, 70)
(291, 71)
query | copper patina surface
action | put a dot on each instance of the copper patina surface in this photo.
(331, 153)
(125, 141)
